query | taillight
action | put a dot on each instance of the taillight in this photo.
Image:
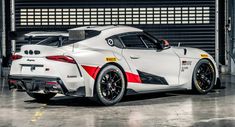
(66, 59)
(15, 57)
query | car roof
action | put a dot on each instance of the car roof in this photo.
(108, 30)
(95, 28)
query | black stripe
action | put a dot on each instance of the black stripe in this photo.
(151, 79)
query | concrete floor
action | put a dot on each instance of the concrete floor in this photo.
(215, 109)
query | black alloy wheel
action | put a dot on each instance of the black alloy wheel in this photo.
(110, 85)
(204, 76)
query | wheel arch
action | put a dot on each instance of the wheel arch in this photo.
(217, 79)
(213, 65)
(115, 64)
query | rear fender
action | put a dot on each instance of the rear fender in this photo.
(92, 61)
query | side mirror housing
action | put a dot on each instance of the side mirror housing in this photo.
(165, 44)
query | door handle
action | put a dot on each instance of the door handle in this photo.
(134, 57)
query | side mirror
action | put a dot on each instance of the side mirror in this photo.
(165, 44)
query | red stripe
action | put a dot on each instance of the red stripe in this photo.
(133, 78)
(51, 83)
(92, 71)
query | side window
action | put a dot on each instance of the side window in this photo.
(132, 41)
(149, 42)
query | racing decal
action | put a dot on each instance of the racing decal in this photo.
(134, 78)
(92, 71)
(186, 62)
(204, 56)
(71, 76)
(110, 42)
(151, 79)
(185, 65)
(111, 59)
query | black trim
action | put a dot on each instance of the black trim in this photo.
(32, 65)
(185, 51)
(151, 79)
(26, 79)
(218, 84)
(79, 70)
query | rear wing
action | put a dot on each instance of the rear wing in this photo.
(39, 36)
(43, 34)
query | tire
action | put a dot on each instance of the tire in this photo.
(41, 96)
(109, 86)
(203, 77)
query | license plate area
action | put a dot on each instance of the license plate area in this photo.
(32, 68)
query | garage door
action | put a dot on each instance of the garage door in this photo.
(188, 22)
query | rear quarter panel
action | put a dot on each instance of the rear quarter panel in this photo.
(97, 58)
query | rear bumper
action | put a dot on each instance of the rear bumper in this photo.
(36, 84)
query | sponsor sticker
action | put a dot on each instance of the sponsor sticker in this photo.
(185, 65)
(204, 56)
(186, 62)
(111, 59)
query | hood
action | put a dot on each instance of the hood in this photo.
(185, 52)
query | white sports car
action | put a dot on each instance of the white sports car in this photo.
(107, 62)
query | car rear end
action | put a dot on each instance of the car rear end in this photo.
(40, 68)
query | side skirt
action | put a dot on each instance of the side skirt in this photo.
(133, 92)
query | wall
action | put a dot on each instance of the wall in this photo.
(0, 24)
(232, 34)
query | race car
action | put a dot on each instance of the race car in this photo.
(105, 63)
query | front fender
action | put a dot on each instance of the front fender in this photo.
(192, 55)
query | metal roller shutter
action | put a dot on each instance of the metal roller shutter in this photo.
(190, 22)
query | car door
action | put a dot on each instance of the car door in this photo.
(154, 65)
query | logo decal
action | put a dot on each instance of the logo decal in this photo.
(111, 59)
(204, 56)
(186, 62)
(30, 60)
(110, 42)
(32, 68)
(185, 65)
(71, 76)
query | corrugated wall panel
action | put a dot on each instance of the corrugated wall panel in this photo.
(190, 22)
